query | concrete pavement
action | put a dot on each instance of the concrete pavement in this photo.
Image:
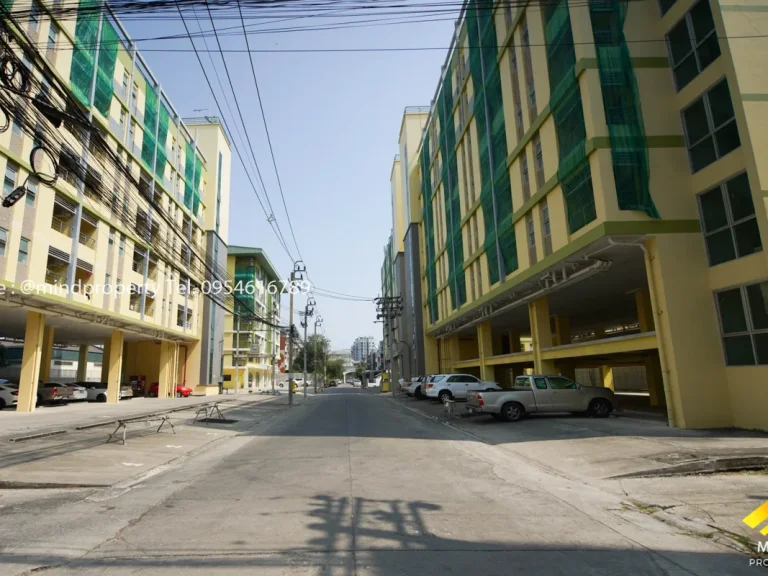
(347, 484)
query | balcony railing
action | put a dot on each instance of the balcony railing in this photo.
(55, 277)
(86, 241)
(61, 226)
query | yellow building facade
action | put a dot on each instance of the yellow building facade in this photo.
(251, 342)
(591, 184)
(110, 236)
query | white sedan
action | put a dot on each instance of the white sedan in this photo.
(455, 386)
(9, 394)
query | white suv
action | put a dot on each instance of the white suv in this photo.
(455, 386)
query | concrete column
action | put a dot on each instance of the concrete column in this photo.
(115, 371)
(485, 347)
(194, 358)
(541, 334)
(654, 379)
(82, 363)
(431, 356)
(606, 372)
(105, 360)
(690, 348)
(30, 362)
(644, 311)
(453, 353)
(47, 356)
(562, 335)
(165, 387)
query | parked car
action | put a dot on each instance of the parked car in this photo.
(52, 392)
(9, 394)
(455, 386)
(415, 387)
(181, 391)
(97, 391)
(542, 393)
(79, 391)
(333, 383)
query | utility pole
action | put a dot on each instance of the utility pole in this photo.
(274, 372)
(318, 321)
(388, 308)
(298, 269)
(308, 311)
(236, 383)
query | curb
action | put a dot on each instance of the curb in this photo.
(702, 466)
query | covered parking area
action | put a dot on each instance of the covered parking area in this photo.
(588, 317)
(132, 351)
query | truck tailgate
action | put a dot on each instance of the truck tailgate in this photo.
(472, 398)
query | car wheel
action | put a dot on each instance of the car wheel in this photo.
(101, 398)
(444, 395)
(2, 403)
(178, 394)
(512, 411)
(600, 408)
(152, 395)
(418, 394)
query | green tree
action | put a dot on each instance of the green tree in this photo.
(335, 369)
(323, 348)
(359, 369)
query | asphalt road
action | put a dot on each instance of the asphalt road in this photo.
(349, 483)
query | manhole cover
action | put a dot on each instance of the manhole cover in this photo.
(217, 421)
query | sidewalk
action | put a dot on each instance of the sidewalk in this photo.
(84, 458)
(47, 419)
(603, 452)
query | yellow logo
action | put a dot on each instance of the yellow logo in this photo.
(757, 517)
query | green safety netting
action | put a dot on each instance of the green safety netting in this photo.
(622, 106)
(86, 32)
(189, 173)
(429, 230)
(162, 139)
(244, 276)
(106, 69)
(7, 4)
(573, 170)
(149, 144)
(495, 192)
(450, 180)
(196, 189)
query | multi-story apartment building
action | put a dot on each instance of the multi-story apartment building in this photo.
(111, 231)
(591, 179)
(252, 337)
(361, 347)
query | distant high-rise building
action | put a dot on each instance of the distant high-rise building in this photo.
(363, 346)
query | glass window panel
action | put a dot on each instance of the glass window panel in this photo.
(703, 154)
(713, 209)
(679, 42)
(720, 103)
(747, 237)
(708, 51)
(560, 383)
(720, 247)
(727, 139)
(686, 71)
(701, 20)
(761, 345)
(696, 125)
(738, 351)
(541, 383)
(731, 307)
(740, 197)
(757, 294)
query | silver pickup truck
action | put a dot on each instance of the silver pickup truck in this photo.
(542, 393)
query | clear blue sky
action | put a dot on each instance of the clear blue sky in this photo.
(334, 119)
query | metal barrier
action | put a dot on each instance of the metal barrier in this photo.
(147, 419)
